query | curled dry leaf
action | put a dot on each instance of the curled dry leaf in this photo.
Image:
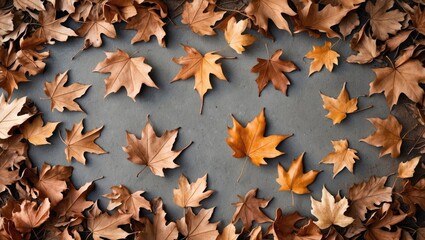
(10, 77)
(29, 58)
(198, 227)
(25, 5)
(6, 23)
(342, 157)
(30, 215)
(78, 143)
(200, 16)
(294, 179)
(248, 210)
(9, 115)
(256, 233)
(250, 142)
(380, 224)
(153, 151)
(339, 107)
(36, 133)
(234, 37)
(368, 50)
(323, 56)
(229, 233)
(330, 211)
(118, 10)
(414, 195)
(407, 169)
(274, 70)
(64, 97)
(126, 71)
(387, 136)
(190, 195)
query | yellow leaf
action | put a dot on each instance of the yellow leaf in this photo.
(339, 107)
(322, 56)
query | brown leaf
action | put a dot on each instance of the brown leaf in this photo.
(284, 225)
(368, 50)
(382, 21)
(153, 151)
(407, 169)
(367, 195)
(36, 133)
(101, 225)
(190, 195)
(310, 231)
(199, 66)
(295, 180)
(414, 194)
(74, 203)
(25, 5)
(349, 23)
(273, 69)
(9, 117)
(6, 22)
(248, 209)
(63, 97)
(9, 174)
(339, 107)
(387, 136)
(250, 142)
(30, 215)
(198, 227)
(263, 10)
(200, 16)
(9, 76)
(380, 224)
(147, 23)
(234, 37)
(118, 10)
(329, 211)
(126, 71)
(342, 157)
(121, 198)
(29, 59)
(323, 56)
(229, 233)
(92, 30)
(78, 143)
(256, 233)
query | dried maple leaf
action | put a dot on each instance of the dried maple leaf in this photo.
(198, 227)
(322, 56)
(414, 194)
(9, 115)
(9, 174)
(342, 157)
(6, 22)
(273, 69)
(349, 23)
(101, 225)
(30, 215)
(339, 107)
(63, 97)
(284, 225)
(229, 233)
(118, 10)
(368, 50)
(36, 133)
(126, 71)
(256, 233)
(387, 136)
(159, 229)
(51, 28)
(200, 16)
(190, 195)
(25, 5)
(147, 23)
(250, 142)
(367, 195)
(407, 169)
(330, 211)
(403, 77)
(199, 66)
(382, 21)
(9, 76)
(153, 151)
(234, 37)
(380, 224)
(74, 203)
(121, 198)
(248, 209)
(92, 30)
(263, 10)
(294, 179)
(29, 59)
(78, 143)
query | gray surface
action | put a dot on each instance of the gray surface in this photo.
(177, 105)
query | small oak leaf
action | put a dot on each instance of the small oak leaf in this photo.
(339, 107)
(322, 56)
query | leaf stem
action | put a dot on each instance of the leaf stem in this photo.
(363, 109)
(243, 169)
(267, 49)
(409, 131)
(292, 198)
(141, 171)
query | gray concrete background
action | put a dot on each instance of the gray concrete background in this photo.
(177, 105)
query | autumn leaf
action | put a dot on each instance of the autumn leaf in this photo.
(329, 211)
(229, 233)
(367, 195)
(273, 69)
(256, 233)
(10, 115)
(342, 157)
(93, 29)
(284, 225)
(6, 23)
(263, 10)
(248, 209)
(198, 227)
(199, 66)
(153, 151)
(234, 37)
(414, 194)
(101, 225)
(250, 142)
(387, 136)
(75, 202)
(407, 169)
(10, 77)
(29, 58)
(295, 180)
(147, 23)
(78, 143)
(383, 219)
(339, 107)
(190, 195)
(368, 50)
(349, 22)
(63, 97)
(323, 56)
(127, 203)
(30, 216)
(382, 21)
(118, 10)
(36, 133)
(25, 5)
(200, 17)
(8, 173)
